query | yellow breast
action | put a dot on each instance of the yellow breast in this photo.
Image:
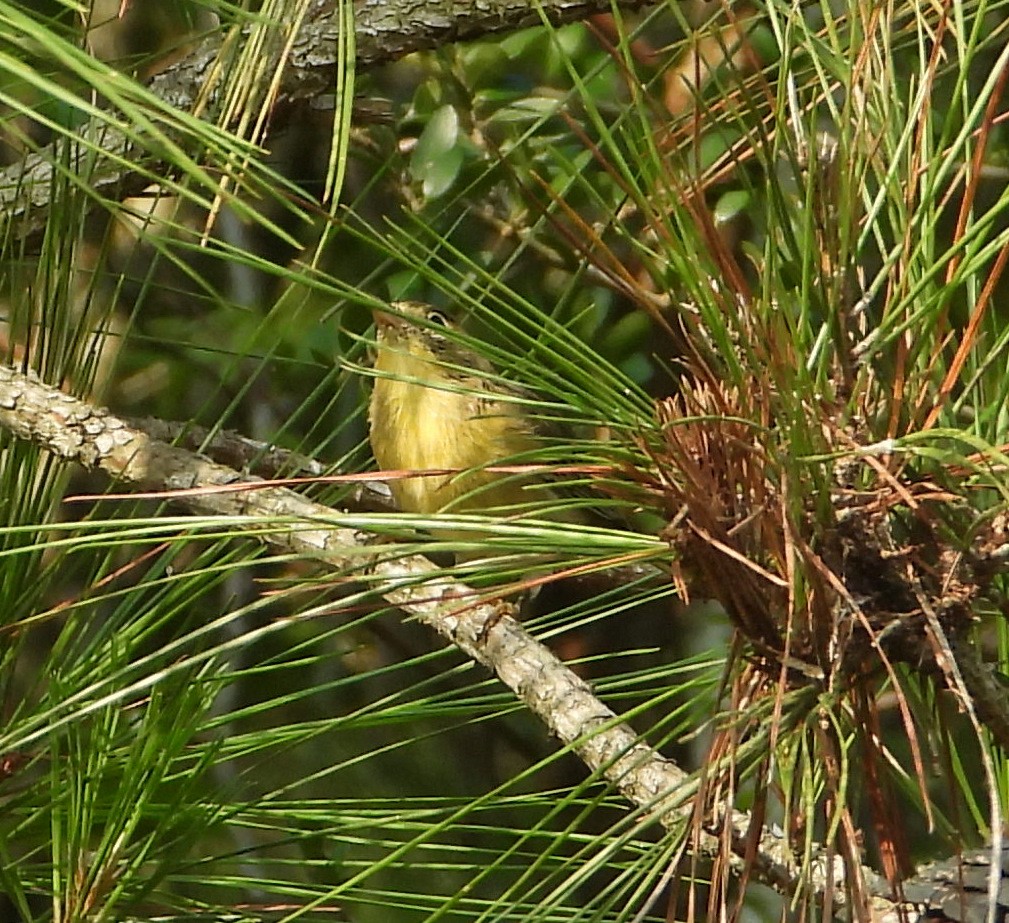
(417, 426)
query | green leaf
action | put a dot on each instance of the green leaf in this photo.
(439, 155)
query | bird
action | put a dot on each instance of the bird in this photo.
(438, 405)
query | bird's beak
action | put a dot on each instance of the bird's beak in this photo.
(388, 322)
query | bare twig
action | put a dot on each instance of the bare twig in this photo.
(261, 459)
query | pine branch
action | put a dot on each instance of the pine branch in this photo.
(485, 630)
(384, 31)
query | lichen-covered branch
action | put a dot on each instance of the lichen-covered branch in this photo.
(485, 629)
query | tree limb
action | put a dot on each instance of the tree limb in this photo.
(384, 31)
(485, 629)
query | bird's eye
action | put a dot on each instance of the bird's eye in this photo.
(436, 317)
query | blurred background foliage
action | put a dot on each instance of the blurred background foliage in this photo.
(781, 223)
